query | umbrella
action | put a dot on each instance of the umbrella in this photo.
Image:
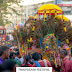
(60, 17)
(50, 8)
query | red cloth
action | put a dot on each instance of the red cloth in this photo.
(42, 64)
(69, 67)
(28, 65)
(65, 64)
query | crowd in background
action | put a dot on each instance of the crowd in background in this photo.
(10, 60)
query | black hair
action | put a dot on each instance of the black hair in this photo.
(36, 56)
(31, 63)
(64, 52)
(40, 56)
(16, 49)
(8, 65)
(11, 54)
(2, 49)
(17, 53)
(27, 59)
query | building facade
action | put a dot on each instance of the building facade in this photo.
(66, 6)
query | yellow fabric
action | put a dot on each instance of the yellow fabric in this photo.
(55, 15)
(49, 8)
(65, 29)
(47, 47)
(67, 41)
(30, 39)
(36, 16)
(60, 17)
(23, 51)
(44, 16)
(33, 28)
(53, 34)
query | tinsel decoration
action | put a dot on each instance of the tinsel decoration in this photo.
(55, 16)
(65, 31)
(33, 29)
(45, 16)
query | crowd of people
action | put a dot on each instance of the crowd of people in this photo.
(10, 60)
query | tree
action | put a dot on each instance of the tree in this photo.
(4, 6)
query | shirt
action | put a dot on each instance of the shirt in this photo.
(69, 66)
(1, 61)
(21, 60)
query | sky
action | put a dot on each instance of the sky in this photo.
(29, 2)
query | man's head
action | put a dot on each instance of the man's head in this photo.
(18, 54)
(63, 53)
(36, 56)
(4, 51)
(12, 55)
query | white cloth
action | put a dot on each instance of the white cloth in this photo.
(21, 60)
(16, 58)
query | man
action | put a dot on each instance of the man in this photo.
(12, 57)
(4, 53)
(65, 60)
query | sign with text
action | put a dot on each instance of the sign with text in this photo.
(34, 69)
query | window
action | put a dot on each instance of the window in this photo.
(67, 12)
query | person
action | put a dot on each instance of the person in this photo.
(65, 60)
(17, 58)
(8, 66)
(39, 62)
(17, 55)
(28, 60)
(4, 53)
(12, 55)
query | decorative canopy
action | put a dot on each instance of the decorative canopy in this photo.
(50, 8)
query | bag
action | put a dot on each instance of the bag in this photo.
(45, 63)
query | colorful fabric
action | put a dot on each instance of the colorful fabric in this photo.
(69, 66)
(42, 64)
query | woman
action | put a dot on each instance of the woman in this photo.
(65, 60)
(27, 63)
(38, 62)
